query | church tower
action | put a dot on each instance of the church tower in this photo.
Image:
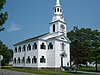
(57, 24)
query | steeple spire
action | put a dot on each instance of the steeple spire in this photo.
(57, 8)
(57, 3)
(58, 12)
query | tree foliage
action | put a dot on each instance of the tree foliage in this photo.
(85, 45)
(95, 46)
(79, 45)
(6, 54)
(3, 15)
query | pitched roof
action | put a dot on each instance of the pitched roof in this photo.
(30, 39)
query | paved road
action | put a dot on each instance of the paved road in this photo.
(98, 73)
(8, 72)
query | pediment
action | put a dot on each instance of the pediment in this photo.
(63, 38)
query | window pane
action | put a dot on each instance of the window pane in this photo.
(54, 28)
(19, 50)
(50, 46)
(19, 60)
(15, 49)
(28, 60)
(42, 60)
(14, 60)
(24, 48)
(34, 60)
(23, 60)
(57, 9)
(28, 47)
(34, 46)
(42, 46)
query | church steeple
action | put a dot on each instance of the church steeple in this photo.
(57, 3)
(57, 12)
(57, 24)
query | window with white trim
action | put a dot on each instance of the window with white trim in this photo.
(15, 50)
(24, 48)
(42, 46)
(35, 46)
(50, 46)
(28, 60)
(14, 61)
(23, 60)
(28, 47)
(18, 60)
(19, 49)
(42, 60)
(34, 59)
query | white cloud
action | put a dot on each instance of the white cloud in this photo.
(14, 27)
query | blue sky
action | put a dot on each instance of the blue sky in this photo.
(29, 18)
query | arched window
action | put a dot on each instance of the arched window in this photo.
(28, 47)
(28, 60)
(18, 60)
(23, 60)
(14, 61)
(50, 46)
(15, 50)
(43, 46)
(24, 48)
(35, 46)
(34, 59)
(54, 28)
(57, 9)
(42, 60)
(19, 49)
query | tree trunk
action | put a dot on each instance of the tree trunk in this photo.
(96, 66)
(76, 67)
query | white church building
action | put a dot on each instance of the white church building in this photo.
(50, 50)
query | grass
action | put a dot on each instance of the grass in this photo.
(45, 72)
(92, 69)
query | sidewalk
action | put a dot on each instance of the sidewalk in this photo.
(8, 72)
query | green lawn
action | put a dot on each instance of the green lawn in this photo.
(45, 72)
(92, 69)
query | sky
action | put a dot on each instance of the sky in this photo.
(29, 18)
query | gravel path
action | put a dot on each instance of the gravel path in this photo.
(8, 72)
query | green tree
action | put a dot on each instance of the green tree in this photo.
(11, 51)
(6, 54)
(3, 15)
(85, 46)
(79, 47)
(95, 46)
